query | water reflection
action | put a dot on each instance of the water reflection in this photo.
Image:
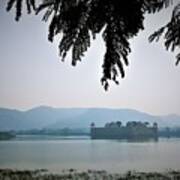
(110, 155)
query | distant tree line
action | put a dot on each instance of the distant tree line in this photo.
(130, 124)
(7, 135)
(170, 132)
(54, 132)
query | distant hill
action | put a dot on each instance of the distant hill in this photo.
(56, 118)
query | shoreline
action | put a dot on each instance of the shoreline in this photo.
(43, 174)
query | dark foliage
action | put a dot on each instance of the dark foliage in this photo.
(79, 20)
(18, 4)
(171, 32)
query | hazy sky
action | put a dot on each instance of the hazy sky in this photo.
(31, 73)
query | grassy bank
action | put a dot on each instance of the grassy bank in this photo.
(87, 175)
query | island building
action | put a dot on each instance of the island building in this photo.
(132, 130)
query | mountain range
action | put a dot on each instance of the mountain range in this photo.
(57, 118)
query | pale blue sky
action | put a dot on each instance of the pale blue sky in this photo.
(31, 73)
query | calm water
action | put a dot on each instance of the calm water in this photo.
(83, 153)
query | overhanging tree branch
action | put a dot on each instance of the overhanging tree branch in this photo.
(77, 20)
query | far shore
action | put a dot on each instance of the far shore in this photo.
(73, 174)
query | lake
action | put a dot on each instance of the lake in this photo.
(82, 153)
